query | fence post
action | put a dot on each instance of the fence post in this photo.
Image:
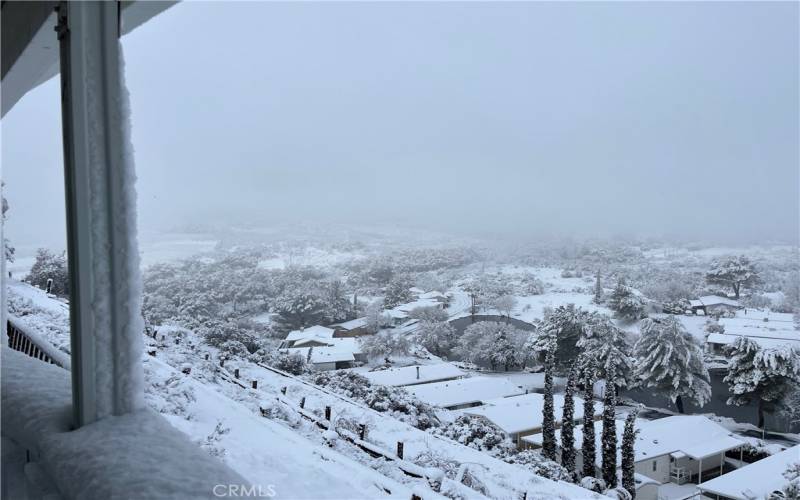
(255, 384)
(328, 413)
(236, 373)
(362, 431)
(400, 450)
(222, 362)
(303, 402)
(207, 356)
(283, 390)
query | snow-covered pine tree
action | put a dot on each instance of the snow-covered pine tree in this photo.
(734, 272)
(605, 343)
(670, 359)
(598, 289)
(588, 445)
(609, 434)
(568, 424)
(762, 375)
(628, 455)
(548, 411)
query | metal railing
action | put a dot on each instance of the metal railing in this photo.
(29, 343)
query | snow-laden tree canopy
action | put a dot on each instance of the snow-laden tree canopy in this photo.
(668, 358)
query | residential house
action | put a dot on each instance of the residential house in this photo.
(713, 304)
(768, 330)
(521, 416)
(756, 480)
(353, 328)
(678, 449)
(465, 392)
(414, 375)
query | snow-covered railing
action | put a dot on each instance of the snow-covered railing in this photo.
(29, 342)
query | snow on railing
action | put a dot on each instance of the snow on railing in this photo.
(31, 343)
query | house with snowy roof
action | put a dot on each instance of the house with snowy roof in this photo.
(757, 480)
(521, 416)
(675, 449)
(464, 392)
(353, 328)
(414, 375)
(713, 304)
(768, 333)
(325, 358)
(313, 335)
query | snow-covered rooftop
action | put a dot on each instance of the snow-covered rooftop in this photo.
(464, 391)
(763, 341)
(713, 300)
(352, 324)
(694, 435)
(408, 375)
(524, 413)
(323, 354)
(756, 480)
(311, 331)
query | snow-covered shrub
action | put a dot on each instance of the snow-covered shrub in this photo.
(679, 306)
(477, 433)
(50, 265)
(233, 349)
(392, 400)
(212, 442)
(593, 483)
(292, 363)
(791, 490)
(432, 458)
(173, 396)
(539, 465)
(713, 326)
(618, 493)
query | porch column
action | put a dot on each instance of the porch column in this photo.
(105, 287)
(700, 472)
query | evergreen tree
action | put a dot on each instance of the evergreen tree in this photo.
(670, 359)
(588, 445)
(568, 425)
(560, 330)
(598, 289)
(762, 375)
(609, 435)
(625, 303)
(50, 265)
(548, 412)
(606, 343)
(734, 272)
(628, 455)
(398, 291)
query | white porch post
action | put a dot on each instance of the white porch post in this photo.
(700, 472)
(105, 290)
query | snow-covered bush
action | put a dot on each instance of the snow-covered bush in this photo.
(172, 396)
(212, 442)
(679, 306)
(539, 465)
(50, 265)
(392, 400)
(292, 363)
(385, 344)
(593, 483)
(477, 433)
(432, 458)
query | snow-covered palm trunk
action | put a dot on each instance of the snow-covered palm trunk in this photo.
(628, 454)
(548, 412)
(588, 445)
(568, 425)
(609, 435)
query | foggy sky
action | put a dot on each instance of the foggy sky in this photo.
(509, 118)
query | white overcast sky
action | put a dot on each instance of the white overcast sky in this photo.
(514, 118)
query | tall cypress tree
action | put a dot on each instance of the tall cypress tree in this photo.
(598, 289)
(568, 425)
(628, 456)
(588, 446)
(548, 411)
(609, 436)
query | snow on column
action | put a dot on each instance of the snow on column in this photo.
(106, 305)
